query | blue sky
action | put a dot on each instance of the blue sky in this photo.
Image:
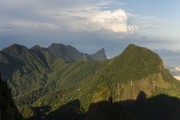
(92, 24)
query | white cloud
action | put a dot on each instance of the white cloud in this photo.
(91, 18)
(33, 25)
(115, 21)
(79, 16)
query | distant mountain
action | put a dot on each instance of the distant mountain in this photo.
(17, 62)
(20, 66)
(28, 71)
(67, 53)
(54, 76)
(46, 55)
(8, 110)
(175, 71)
(71, 54)
(19, 58)
(170, 58)
(100, 55)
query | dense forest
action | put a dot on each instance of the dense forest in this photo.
(8, 110)
(59, 82)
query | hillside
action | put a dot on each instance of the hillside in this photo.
(28, 68)
(56, 76)
(19, 66)
(36, 73)
(160, 107)
(8, 110)
(71, 54)
(136, 69)
(99, 55)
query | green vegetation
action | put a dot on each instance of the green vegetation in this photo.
(8, 110)
(59, 74)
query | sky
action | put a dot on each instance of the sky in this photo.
(90, 25)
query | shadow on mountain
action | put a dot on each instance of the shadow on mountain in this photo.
(160, 107)
(106, 110)
(42, 57)
(8, 109)
(69, 111)
(9, 66)
(40, 112)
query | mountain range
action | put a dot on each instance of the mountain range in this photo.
(51, 81)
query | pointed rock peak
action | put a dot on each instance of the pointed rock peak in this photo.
(99, 55)
(101, 50)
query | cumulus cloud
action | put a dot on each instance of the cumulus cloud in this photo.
(115, 21)
(94, 19)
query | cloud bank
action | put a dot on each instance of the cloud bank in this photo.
(82, 17)
(94, 19)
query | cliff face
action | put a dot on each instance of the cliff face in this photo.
(8, 110)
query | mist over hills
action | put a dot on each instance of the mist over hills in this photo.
(52, 77)
(171, 58)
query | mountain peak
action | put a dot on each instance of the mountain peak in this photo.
(132, 45)
(17, 46)
(36, 46)
(99, 55)
(69, 53)
(65, 52)
(135, 63)
(136, 55)
(56, 45)
(15, 49)
(39, 48)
